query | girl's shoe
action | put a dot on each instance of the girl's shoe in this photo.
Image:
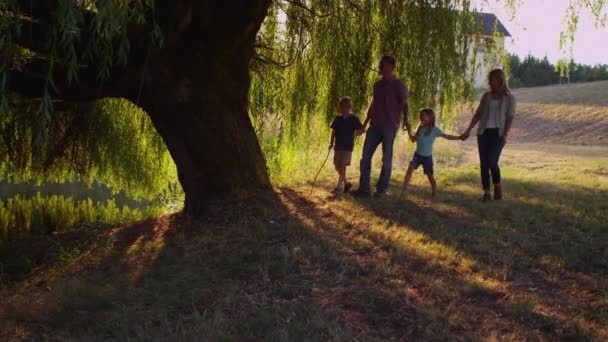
(497, 192)
(337, 190)
(486, 197)
(347, 187)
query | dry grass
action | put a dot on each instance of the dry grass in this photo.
(304, 265)
(299, 266)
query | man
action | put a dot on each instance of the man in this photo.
(390, 98)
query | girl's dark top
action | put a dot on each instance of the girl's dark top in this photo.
(344, 128)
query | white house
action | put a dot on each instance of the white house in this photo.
(488, 48)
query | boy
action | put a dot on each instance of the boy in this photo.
(343, 132)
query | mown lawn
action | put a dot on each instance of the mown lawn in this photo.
(304, 265)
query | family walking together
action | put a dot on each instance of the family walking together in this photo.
(389, 104)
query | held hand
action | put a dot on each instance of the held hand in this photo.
(407, 126)
(360, 131)
(409, 131)
(465, 135)
(330, 146)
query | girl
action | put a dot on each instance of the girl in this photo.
(495, 116)
(424, 138)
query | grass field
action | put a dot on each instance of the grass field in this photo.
(568, 114)
(301, 264)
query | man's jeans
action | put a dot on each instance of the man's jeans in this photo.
(374, 137)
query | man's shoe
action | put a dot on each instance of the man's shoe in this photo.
(497, 192)
(486, 198)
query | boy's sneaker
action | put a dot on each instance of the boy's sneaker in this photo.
(497, 192)
(347, 187)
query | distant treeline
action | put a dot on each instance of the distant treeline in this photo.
(534, 72)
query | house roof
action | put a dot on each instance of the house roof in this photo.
(491, 23)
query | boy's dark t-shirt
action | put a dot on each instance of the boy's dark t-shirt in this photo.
(345, 128)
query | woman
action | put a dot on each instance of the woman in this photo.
(495, 116)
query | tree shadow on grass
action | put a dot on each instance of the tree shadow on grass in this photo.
(275, 267)
(537, 218)
(254, 269)
(546, 243)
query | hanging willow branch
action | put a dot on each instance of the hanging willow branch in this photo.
(309, 53)
(309, 10)
(428, 38)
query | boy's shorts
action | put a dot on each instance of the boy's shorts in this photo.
(342, 158)
(426, 162)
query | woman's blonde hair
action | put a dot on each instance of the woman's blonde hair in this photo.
(499, 74)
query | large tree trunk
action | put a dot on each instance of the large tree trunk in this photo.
(210, 137)
(197, 98)
(195, 87)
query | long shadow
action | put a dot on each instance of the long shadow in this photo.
(253, 269)
(265, 266)
(543, 237)
(450, 303)
(444, 288)
(537, 217)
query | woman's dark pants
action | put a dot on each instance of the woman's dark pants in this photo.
(490, 146)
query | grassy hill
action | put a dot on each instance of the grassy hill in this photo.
(564, 114)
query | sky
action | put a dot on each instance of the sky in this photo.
(536, 27)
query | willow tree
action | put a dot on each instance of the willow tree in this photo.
(188, 63)
(309, 56)
(185, 63)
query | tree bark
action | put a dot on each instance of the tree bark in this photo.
(197, 98)
(209, 136)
